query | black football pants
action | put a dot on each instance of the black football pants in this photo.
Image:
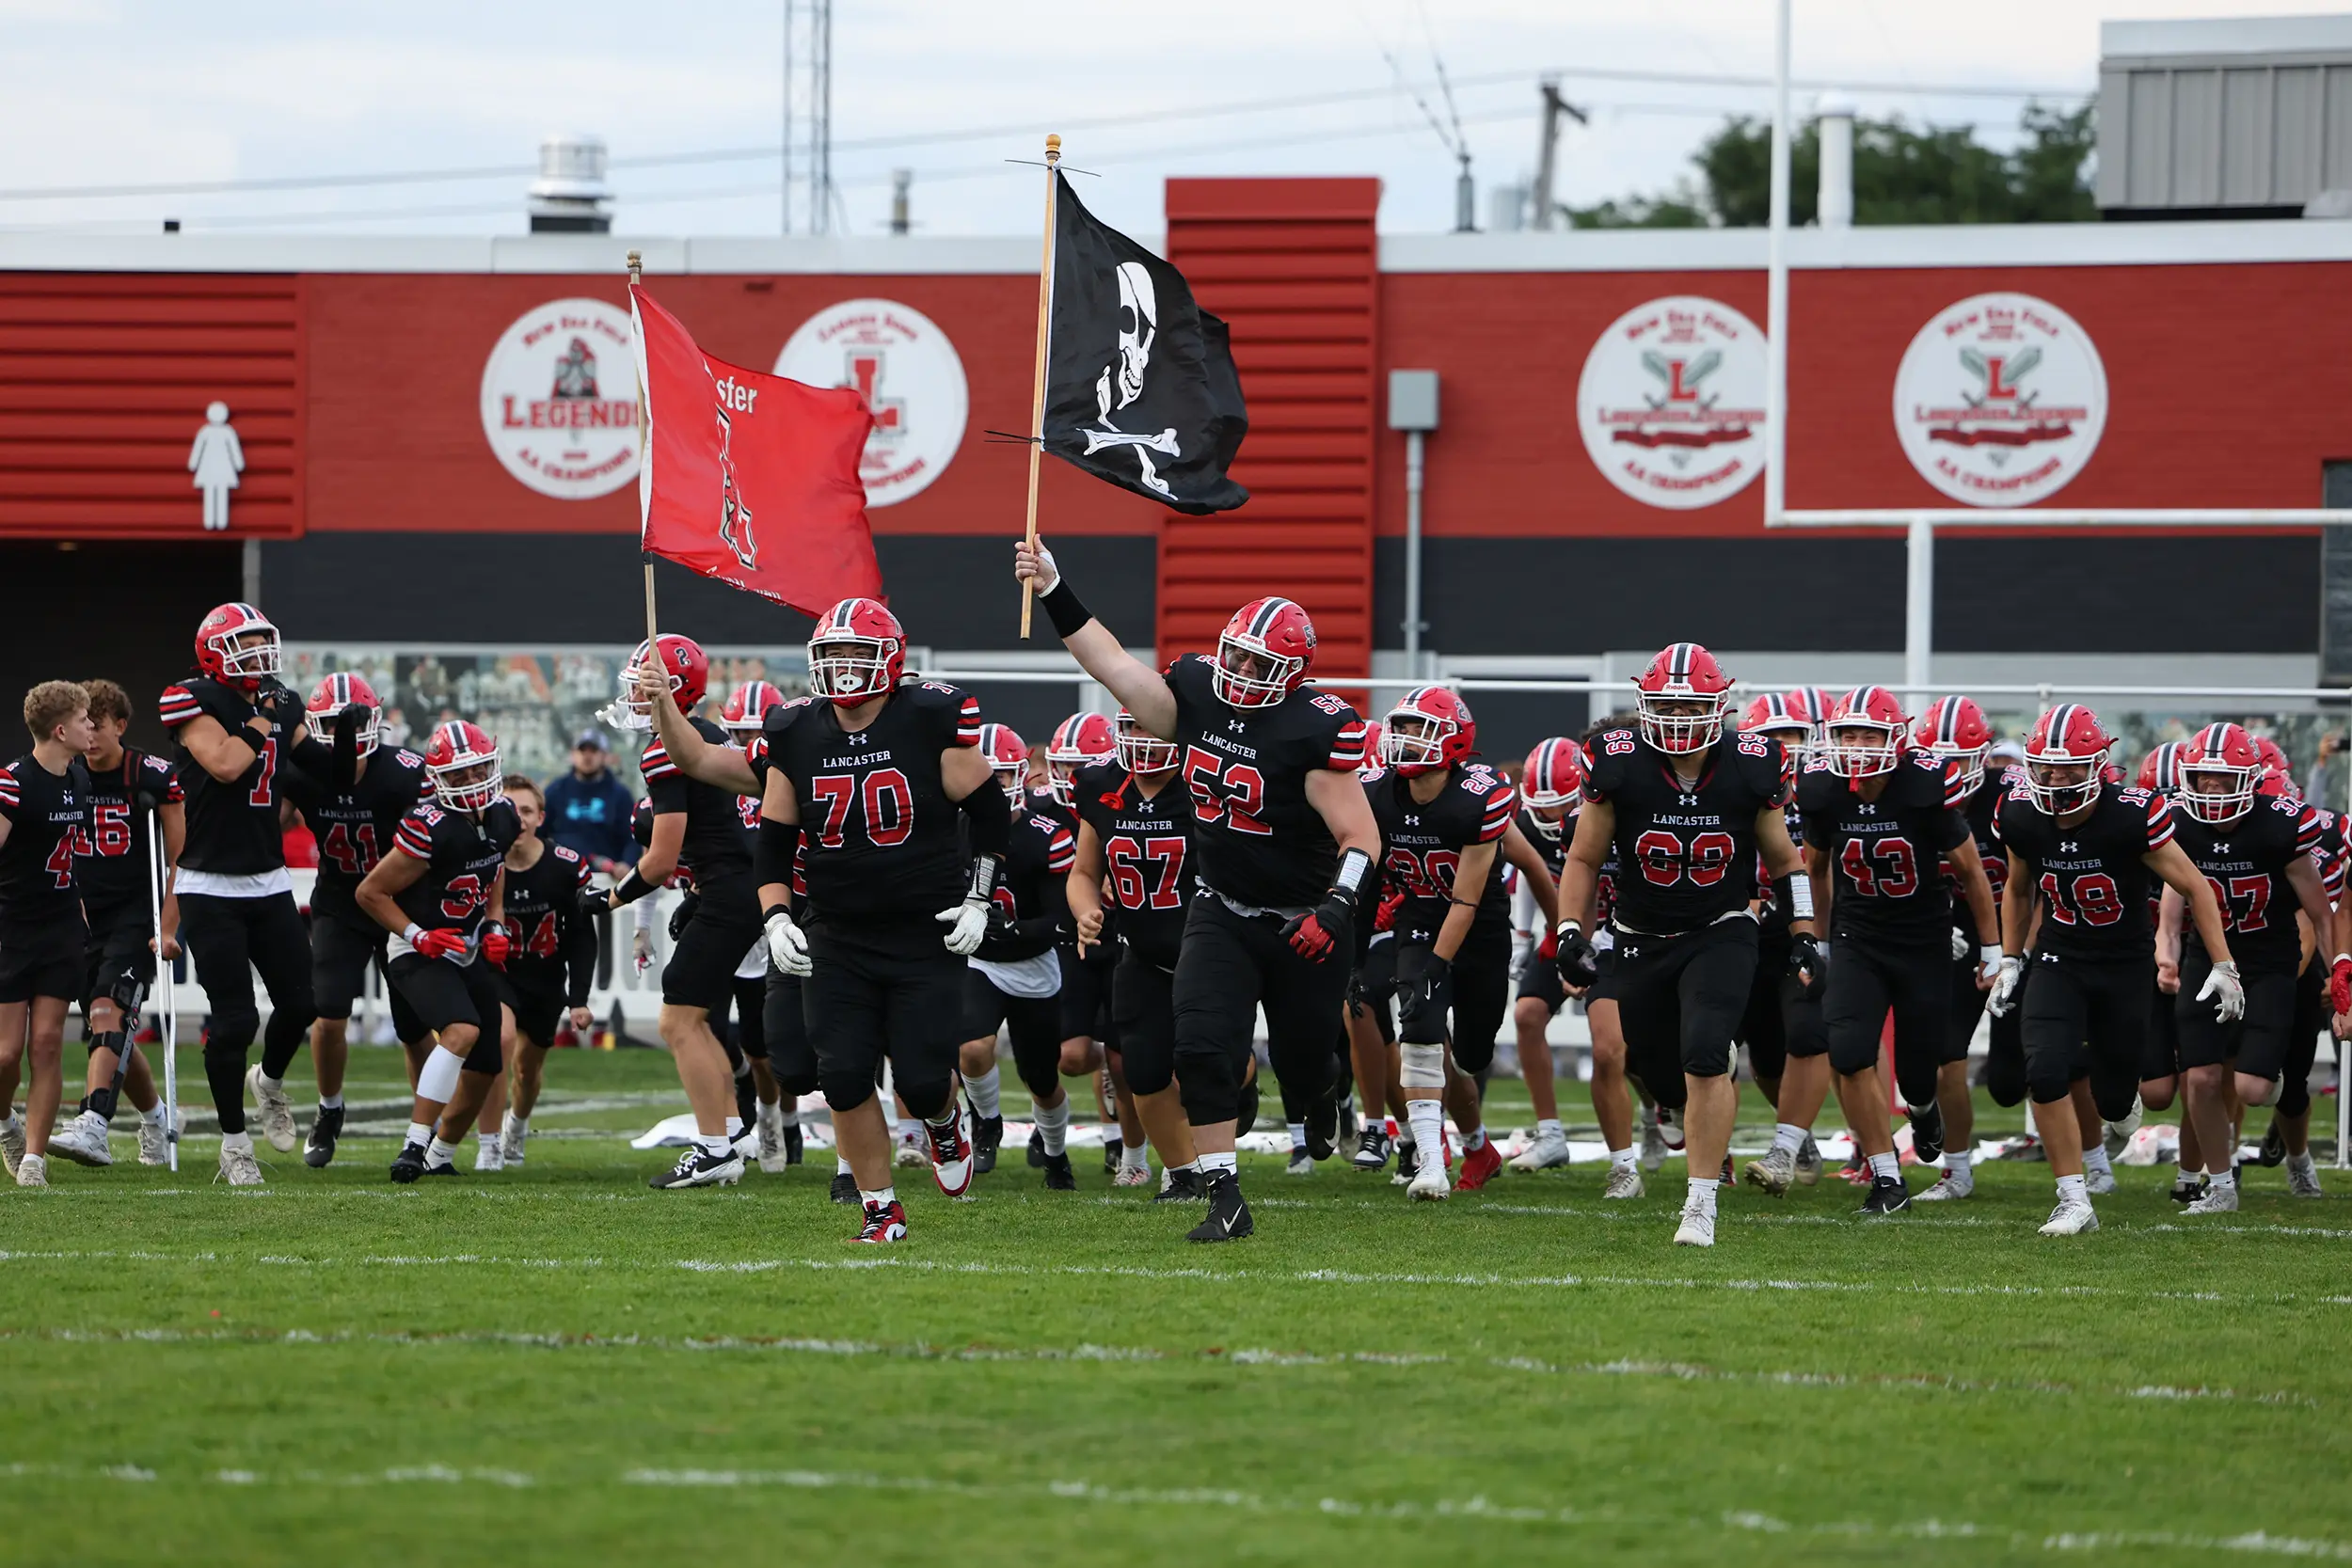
(2087, 1018)
(1230, 966)
(2005, 1059)
(1781, 1021)
(1679, 1000)
(785, 1031)
(1143, 1008)
(885, 987)
(1867, 981)
(229, 938)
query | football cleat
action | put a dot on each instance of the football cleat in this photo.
(2302, 1176)
(407, 1167)
(1371, 1149)
(844, 1187)
(1774, 1172)
(908, 1155)
(2071, 1217)
(1948, 1188)
(1112, 1150)
(1181, 1186)
(988, 1136)
(951, 1154)
(1887, 1195)
(1132, 1176)
(1479, 1165)
(2188, 1188)
(318, 1149)
(795, 1147)
(512, 1139)
(1654, 1145)
(1302, 1163)
(2274, 1149)
(1431, 1182)
(154, 1148)
(2220, 1199)
(885, 1223)
(1059, 1178)
(2098, 1183)
(447, 1167)
(1926, 1132)
(1808, 1161)
(1407, 1162)
(772, 1151)
(1323, 1124)
(1228, 1218)
(1036, 1150)
(278, 1123)
(1698, 1224)
(33, 1171)
(11, 1144)
(84, 1141)
(2115, 1135)
(699, 1167)
(1546, 1148)
(238, 1167)
(1623, 1182)
(489, 1155)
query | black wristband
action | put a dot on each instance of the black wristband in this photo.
(1063, 608)
(773, 910)
(630, 889)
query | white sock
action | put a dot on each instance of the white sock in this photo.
(154, 1115)
(883, 1196)
(1621, 1158)
(421, 1133)
(1703, 1189)
(439, 1154)
(1549, 1127)
(1428, 1118)
(486, 1137)
(330, 1101)
(986, 1091)
(1956, 1165)
(1298, 1134)
(1227, 1164)
(1475, 1139)
(2223, 1178)
(717, 1145)
(2095, 1161)
(1788, 1136)
(2069, 1189)
(841, 1166)
(1134, 1158)
(2300, 1161)
(789, 1111)
(237, 1140)
(734, 1128)
(1053, 1124)
(275, 1085)
(518, 1125)
(1887, 1168)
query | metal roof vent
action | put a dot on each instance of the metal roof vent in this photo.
(569, 196)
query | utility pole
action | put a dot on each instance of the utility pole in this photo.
(1547, 150)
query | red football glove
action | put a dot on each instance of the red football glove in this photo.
(2339, 987)
(1549, 948)
(1391, 905)
(496, 946)
(1308, 938)
(442, 941)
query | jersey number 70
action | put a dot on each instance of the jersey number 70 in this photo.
(889, 806)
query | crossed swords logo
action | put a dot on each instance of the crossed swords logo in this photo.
(2012, 371)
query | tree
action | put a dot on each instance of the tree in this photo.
(1900, 175)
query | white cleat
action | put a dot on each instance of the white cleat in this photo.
(2099, 1183)
(1133, 1176)
(2114, 1135)
(1774, 1172)
(1948, 1188)
(1654, 1144)
(276, 1111)
(154, 1148)
(32, 1171)
(510, 1138)
(1623, 1182)
(489, 1156)
(954, 1157)
(1302, 1163)
(1698, 1224)
(772, 1157)
(11, 1143)
(2302, 1176)
(1431, 1184)
(1549, 1148)
(2220, 1199)
(911, 1154)
(84, 1141)
(238, 1167)
(2071, 1217)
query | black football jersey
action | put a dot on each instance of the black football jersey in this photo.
(2091, 875)
(231, 827)
(355, 826)
(884, 841)
(2246, 864)
(1778, 914)
(715, 845)
(2331, 853)
(463, 859)
(1147, 853)
(1978, 810)
(1551, 839)
(796, 899)
(1422, 844)
(1034, 888)
(554, 946)
(48, 827)
(1686, 855)
(1257, 839)
(113, 875)
(1886, 855)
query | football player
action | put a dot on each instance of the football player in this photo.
(133, 795)
(881, 778)
(1135, 835)
(44, 826)
(353, 814)
(1550, 783)
(1689, 807)
(2086, 847)
(240, 731)
(438, 891)
(1782, 1022)
(1016, 979)
(1090, 1046)
(742, 716)
(1879, 818)
(2257, 849)
(552, 964)
(1284, 841)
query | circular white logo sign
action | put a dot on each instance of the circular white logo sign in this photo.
(1672, 402)
(559, 399)
(909, 374)
(2001, 400)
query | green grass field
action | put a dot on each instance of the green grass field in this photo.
(558, 1365)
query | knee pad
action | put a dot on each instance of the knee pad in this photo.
(1040, 1084)
(2294, 1098)
(1148, 1075)
(436, 1080)
(846, 1091)
(925, 1096)
(1209, 1081)
(1423, 1067)
(2047, 1082)
(794, 1084)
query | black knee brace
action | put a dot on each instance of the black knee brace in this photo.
(845, 1091)
(1210, 1088)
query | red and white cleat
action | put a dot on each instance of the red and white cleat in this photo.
(952, 1153)
(885, 1223)
(1479, 1166)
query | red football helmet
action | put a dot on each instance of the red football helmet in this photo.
(682, 659)
(1551, 780)
(747, 707)
(1081, 739)
(1813, 703)
(2218, 767)
(1139, 749)
(1264, 652)
(463, 759)
(237, 646)
(1954, 729)
(336, 692)
(1867, 732)
(2272, 756)
(857, 653)
(1685, 677)
(1430, 728)
(2065, 742)
(2160, 769)
(1008, 757)
(1783, 719)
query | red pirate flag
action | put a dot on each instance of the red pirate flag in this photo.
(750, 478)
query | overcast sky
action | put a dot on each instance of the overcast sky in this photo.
(112, 92)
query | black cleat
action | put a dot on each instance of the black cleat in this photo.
(1407, 1160)
(793, 1146)
(1322, 1125)
(2188, 1188)
(1113, 1148)
(1059, 1178)
(447, 1167)
(1927, 1132)
(1245, 1114)
(1371, 1149)
(988, 1136)
(1229, 1217)
(1036, 1150)
(845, 1188)
(1888, 1196)
(318, 1150)
(1181, 1186)
(699, 1167)
(2274, 1149)
(410, 1164)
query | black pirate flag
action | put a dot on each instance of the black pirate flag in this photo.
(1140, 386)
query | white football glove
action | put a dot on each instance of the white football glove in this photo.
(1960, 944)
(788, 945)
(2004, 995)
(2226, 991)
(1988, 960)
(967, 923)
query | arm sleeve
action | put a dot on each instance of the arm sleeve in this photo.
(579, 938)
(989, 816)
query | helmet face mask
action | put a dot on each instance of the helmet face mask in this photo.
(463, 760)
(1263, 653)
(2219, 769)
(681, 658)
(237, 645)
(1428, 731)
(1681, 699)
(1138, 749)
(2064, 758)
(1859, 750)
(857, 654)
(1079, 742)
(2059, 788)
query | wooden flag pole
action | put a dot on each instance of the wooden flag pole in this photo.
(645, 436)
(1045, 336)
